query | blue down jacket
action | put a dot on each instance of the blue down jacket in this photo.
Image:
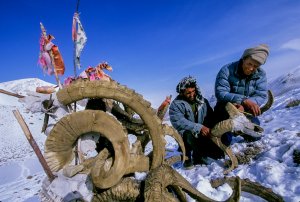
(182, 116)
(231, 86)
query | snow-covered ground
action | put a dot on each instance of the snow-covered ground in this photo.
(21, 174)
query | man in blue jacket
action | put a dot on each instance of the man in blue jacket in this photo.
(192, 116)
(242, 83)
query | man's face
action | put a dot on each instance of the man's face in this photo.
(250, 66)
(190, 94)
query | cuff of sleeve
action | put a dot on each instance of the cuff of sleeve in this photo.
(243, 99)
(196, 130)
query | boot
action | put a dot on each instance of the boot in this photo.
(188, 163)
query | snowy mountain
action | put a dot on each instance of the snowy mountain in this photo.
(21, 174)
(286, 83)
(24, 86)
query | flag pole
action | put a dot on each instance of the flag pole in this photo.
(77, 146)
(77, 6)
(74, 43)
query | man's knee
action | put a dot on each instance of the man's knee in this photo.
(189, 138)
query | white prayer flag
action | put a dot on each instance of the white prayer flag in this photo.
(80, 39)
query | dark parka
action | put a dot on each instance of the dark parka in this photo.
(189, 126)
(182, 116)
(232, 86)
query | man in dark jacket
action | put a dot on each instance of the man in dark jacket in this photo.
(192, 116)
(242, 83)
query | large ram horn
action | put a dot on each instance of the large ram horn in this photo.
(144, 139)
(269, 102)
(228, 151)
(60, 142)
(164, 176)
(217, 131)
(138, 161)
(222, 127)
(232, 110)
(122, 114)
(250, 187)
(127, 189)
(173, 159)
(81, 89)
(168, 130)
(158, 179)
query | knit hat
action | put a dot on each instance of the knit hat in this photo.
(187, 82)
(258, 53)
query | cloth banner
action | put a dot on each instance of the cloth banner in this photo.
(79, 37)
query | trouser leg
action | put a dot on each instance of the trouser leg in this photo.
(207, 148)
(201, 147)
(189, 143)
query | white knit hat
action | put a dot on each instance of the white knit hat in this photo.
(258, 53)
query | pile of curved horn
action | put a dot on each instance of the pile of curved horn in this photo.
(111, 170)
(237, 123)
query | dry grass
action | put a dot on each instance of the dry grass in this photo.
(293, 103)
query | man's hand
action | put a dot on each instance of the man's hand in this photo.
(239, 107)
(205, 131)
(252, 107)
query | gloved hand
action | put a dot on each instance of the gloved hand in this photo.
(205, 131)
(252, 107)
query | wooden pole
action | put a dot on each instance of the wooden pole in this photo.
(11, 94)
(74, 42)
(77, 146)
(34, 145)
(47, 106)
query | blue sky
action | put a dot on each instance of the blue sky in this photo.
(151, 44)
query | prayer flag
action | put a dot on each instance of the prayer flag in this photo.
(79, 37)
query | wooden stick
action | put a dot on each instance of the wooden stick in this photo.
(77, 146)
(34, 145)
(46, 117)
(246, 113)
(11, 94)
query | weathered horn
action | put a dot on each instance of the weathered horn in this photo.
(121, 114)
(128, 189)
(168, 130)
(269, 102)
(60, 142)
(232, 110)
(250, 187)
(82, 89)
(158, 179)
(228, 151)
(164, 176)
(222, 127)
